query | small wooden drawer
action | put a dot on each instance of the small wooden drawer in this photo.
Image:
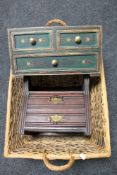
(55, 111)
(45, 120)
(66, 119)
(52, 64)
(42, 107)
(53, 98)
(32, 41)
(75, 39)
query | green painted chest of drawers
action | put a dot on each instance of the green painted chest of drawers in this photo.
(55, 50)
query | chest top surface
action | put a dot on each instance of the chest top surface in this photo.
(55, 50)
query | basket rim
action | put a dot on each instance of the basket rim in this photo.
(107, 149)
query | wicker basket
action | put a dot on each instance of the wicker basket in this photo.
(57, 147)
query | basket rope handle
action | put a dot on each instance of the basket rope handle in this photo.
(58, 21)
(58, 168)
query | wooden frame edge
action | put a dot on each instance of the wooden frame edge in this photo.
(105, 110)
(8, 116)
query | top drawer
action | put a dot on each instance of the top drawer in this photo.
(77, 39)
(55, 39)
(27, 41)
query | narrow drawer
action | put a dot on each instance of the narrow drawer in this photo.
(36, 99)
(52, 64)
(56, 102)
(32, 41)
(67, 119)
(75, 39)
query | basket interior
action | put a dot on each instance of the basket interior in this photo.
(57, 144)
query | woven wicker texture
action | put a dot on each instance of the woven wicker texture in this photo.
(98, 145)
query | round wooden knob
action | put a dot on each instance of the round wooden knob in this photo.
(78, 39)
(33, 41)
(54, 63)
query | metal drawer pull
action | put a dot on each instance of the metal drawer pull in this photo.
(54, 63)
(55, 118)
(56, 100)
(33, 41)
(78, 39)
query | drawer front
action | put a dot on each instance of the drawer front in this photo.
(37, 98)
(66, 120)
(77, 40)
(79, 63)
(32, 41)
(56, 109)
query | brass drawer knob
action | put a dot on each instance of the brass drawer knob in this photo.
(78, 39)
(54, 63)
(33, 41)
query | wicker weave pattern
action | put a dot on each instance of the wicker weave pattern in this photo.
(56, 146)
(97, 115)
